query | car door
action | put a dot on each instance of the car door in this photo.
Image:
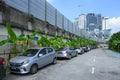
(42, 57)
(50, 55)
(72, 51)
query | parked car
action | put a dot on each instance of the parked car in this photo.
(105, 47)
(80, 50)
(2, 68)
(32, 59)
(85, 49)
(88, 48)
(66, 52)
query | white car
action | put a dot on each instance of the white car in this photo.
(80, 50)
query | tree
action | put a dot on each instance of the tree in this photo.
(114, 41)
(12, 38)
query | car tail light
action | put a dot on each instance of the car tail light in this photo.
(2, 61)
(65, 52)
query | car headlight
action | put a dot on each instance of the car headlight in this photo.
(25, 62)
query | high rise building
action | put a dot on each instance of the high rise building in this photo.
(99, 22)
(93, 26)
(81, 21)
(104, 22)
(90, 21)
(93, 21)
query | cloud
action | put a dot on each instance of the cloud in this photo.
(114, 24)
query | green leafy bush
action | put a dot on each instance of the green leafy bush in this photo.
(114, 42)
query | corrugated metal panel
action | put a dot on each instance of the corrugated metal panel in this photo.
(70, 29)
(37, 9)
(59, 19)
(66, 24)
(21, 5)
(70, 26)
(77, 31)
(50, 14)
(74, 28)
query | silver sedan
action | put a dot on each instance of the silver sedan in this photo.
(66, 52)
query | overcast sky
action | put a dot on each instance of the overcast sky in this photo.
(73, 8)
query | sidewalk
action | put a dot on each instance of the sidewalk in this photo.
(115, 54)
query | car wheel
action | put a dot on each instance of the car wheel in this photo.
(34, 69)
(54, 61)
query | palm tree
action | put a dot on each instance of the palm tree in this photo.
(13, 38)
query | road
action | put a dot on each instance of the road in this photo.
(93, 65)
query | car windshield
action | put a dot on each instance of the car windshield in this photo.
(30, 52)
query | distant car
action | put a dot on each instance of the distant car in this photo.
(88, 48)
(80, 50)
(105, 47)
(2, 68)
(85, 49)
(66, 52)
(32, 59)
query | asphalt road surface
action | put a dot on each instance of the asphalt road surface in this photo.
(93, 65)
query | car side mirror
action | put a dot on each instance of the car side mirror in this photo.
(40, 55)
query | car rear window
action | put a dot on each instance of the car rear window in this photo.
(62, 49)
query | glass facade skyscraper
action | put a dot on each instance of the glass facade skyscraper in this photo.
(93, 21)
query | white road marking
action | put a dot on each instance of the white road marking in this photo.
(94, 59)
(93, 70)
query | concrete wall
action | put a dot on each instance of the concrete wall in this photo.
(24, 23)
(42, 10)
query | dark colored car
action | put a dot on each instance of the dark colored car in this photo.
(66, 52)
(85, 49)
(2, 68)
(80, 50)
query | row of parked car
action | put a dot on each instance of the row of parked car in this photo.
(34, 58)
